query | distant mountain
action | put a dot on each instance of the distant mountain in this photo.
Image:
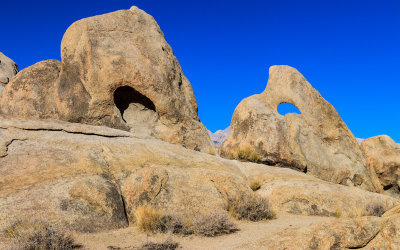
(220, 136)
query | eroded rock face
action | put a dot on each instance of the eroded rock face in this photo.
(8, 69)
(31, 92)
(297, 193)
(383, 161)
(117, 70)
(359, 233)
(317, 141)
(92, 178)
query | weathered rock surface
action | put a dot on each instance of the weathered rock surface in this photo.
(8, 69)
(297, 193)
(31, 92)
(383, 160)
(78, 175)
(317, 141)
(92, 178)
(365, 233)
(117, 70)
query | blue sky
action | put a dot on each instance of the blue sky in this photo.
(348, 50)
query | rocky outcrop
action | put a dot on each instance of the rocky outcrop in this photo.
(383, 161)
(117, 70)
(92, 178)
(8, 69)
(316, 141)
(31, 93)
(359, 233)
(297, 193)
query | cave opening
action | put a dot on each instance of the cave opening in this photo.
(125, 96)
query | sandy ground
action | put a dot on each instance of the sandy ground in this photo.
(250, 236)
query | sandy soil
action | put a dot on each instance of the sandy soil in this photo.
(250, 236)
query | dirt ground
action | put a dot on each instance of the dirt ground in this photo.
(250, 236)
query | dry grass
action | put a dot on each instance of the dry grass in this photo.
(167, 244)
(250, 207)
(247, 154)
(213, 224)
(35, 235)
(357, 212)
(149, 219)
(375, 209)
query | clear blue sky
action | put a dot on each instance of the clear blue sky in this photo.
(348, 50)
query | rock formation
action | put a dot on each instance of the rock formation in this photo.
(117, 70)
(383, 161)
(92, 178)
(86, 141)
(359, 233)
(316, 141)
(8, 69)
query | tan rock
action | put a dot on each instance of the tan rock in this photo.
(366, 233)
(383, 161)
(176, 191)
(8, 69)
(297, 193)
(78, 175)
(317, 141)
(389, 235)
(118, 71)
(32, 92)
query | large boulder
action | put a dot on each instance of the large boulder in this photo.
(383, 160)
(8, 69)
(117, 70)
(317, 141)
(31, 92)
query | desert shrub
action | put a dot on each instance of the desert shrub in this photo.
(247, 154)
(149, 219)
(168, 244)
(255, 185)
(250, 207)
(36, 235)
(375, 209)
(338, 213)
(175, 225)
(213, 224)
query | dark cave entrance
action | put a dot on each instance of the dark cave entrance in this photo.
(125, 95)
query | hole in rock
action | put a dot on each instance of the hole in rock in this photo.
(126, 97)
(387, 187)
(286, 108)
